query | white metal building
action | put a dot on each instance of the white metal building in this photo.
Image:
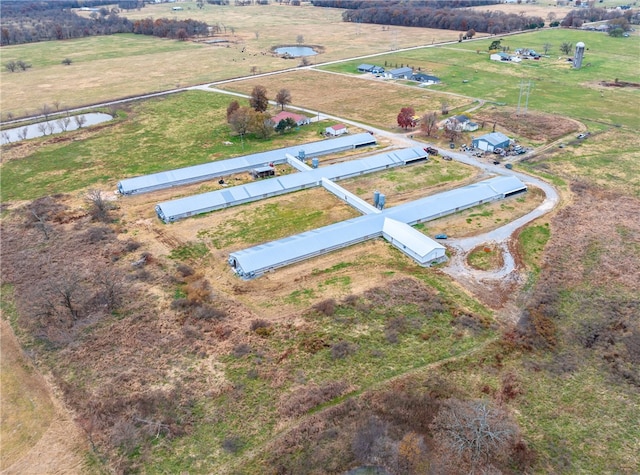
(173, 210)
(394, 224)
(211, 170)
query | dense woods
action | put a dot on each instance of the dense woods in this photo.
(27, 22)
(443, 18)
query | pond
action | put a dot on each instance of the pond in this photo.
(296, 51)
(53, 126)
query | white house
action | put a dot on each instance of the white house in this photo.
(461, 123)
(336, 130)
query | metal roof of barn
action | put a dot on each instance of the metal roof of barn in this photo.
(447, 202)
(253, 261)
(494, 138)
(206, 171)
(232, 196)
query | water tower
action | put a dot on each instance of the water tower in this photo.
(577, 57)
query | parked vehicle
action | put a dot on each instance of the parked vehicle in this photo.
(583, 136)
(447, 158)
(441, 236)
(431, 150)
(508, 166)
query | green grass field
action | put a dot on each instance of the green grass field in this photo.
(465, 69)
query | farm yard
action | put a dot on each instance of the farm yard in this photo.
(167, 362)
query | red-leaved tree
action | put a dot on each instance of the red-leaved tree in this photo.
(406, 117)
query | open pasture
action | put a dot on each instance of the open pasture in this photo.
(111, 67)
(465, 68)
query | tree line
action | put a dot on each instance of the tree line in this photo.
(442, 18)
(578, 16)
(357, 4)
(27, 22)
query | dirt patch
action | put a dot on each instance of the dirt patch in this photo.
(537, 127)
(617, 83)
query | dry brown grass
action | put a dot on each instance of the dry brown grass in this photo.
(125, 72)
(37, 436)
(533, 126)
(350, 96)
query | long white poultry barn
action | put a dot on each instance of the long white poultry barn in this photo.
(394, 224)
(211, 170)
(180, 208)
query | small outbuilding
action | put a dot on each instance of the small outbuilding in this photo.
(335, 130)
(489, 142)
(263, 172)
(500, 57)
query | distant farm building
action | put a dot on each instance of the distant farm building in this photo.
(461, 123)
(489, 142)
(370, 68)
(500, 57)
(335, 130)
(284, 115)
(425, 78)
(399, 73)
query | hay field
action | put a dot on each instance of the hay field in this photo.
(118, 66)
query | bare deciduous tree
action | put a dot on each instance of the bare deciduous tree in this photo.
(258, 100)
(444, 107)
(429, 123)
(283, 97)
(566, 47)
(99, 207)
(231, 108)
(79, 120)
(240, 121)
(474, 432)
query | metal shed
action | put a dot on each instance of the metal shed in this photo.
(208, 171)
(489, 142)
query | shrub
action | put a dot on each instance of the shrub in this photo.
(232, 444)
(241, 350)
(342, 349)
(184, 270)
(207, 312)
(306, 398)
(326, 307)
